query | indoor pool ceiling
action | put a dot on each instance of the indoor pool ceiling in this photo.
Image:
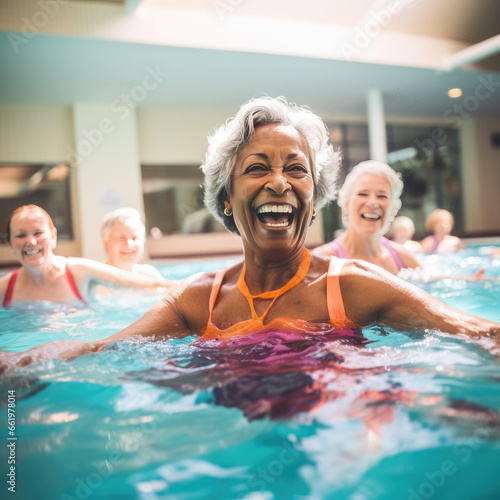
(215, 54)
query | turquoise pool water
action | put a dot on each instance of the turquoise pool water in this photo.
(404, 416)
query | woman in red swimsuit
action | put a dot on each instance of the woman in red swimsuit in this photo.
(267, 171)
(370, 200)
(45, 276)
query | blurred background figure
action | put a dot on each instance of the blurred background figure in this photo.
(370, 199)
(123, 237)
(43, 276)
(494, 252)
(401, 231)
(440, 223)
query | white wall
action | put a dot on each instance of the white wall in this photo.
(178, 136)
(34, 134)
(108, 168)
(38, 135)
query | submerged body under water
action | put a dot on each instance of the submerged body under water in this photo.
(281, 414)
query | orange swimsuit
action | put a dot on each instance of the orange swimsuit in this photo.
(337, 315)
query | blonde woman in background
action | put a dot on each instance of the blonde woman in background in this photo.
(401, 231)
(440, 223)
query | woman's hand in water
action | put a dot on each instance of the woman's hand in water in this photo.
(62, 349)
(11, 360)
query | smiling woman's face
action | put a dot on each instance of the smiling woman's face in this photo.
(370, 205)
(272, 189)
(32, 238)
(124, 244)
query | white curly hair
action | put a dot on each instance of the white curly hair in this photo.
(379, 169)
(228, 139)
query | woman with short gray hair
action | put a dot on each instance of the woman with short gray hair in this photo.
(370, 199)
(228, 140)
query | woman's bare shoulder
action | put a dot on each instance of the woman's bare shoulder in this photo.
(327, 250)
(368, 290)
(363, 278)
(197, 287)
(360, 267)
(4, 283)
(190, 299)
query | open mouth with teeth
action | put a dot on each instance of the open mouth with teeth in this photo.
(371, 217)
(273, 215)
(32, 252)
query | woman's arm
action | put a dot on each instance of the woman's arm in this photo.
(428, 244)
(177, 315)
(159, 323)
(374, 295)
(85, 271)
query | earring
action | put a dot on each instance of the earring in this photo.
(227, 214)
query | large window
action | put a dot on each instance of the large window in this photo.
(173, 201)
(427, 158)
(45, 185)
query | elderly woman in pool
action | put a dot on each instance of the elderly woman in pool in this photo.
(440, 223)
(267, 171)
(45, 276)
(369, 199)
(401, 231)
(123, 237)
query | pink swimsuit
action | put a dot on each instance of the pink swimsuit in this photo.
(339, 251)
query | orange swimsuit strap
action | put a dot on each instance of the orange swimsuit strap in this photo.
(273, 294)
(337, 315)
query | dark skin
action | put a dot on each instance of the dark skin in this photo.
(273, 170)
(370, 294)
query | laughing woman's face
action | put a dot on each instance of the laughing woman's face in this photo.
(370, 206)
(272, 189)
(31, 238)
